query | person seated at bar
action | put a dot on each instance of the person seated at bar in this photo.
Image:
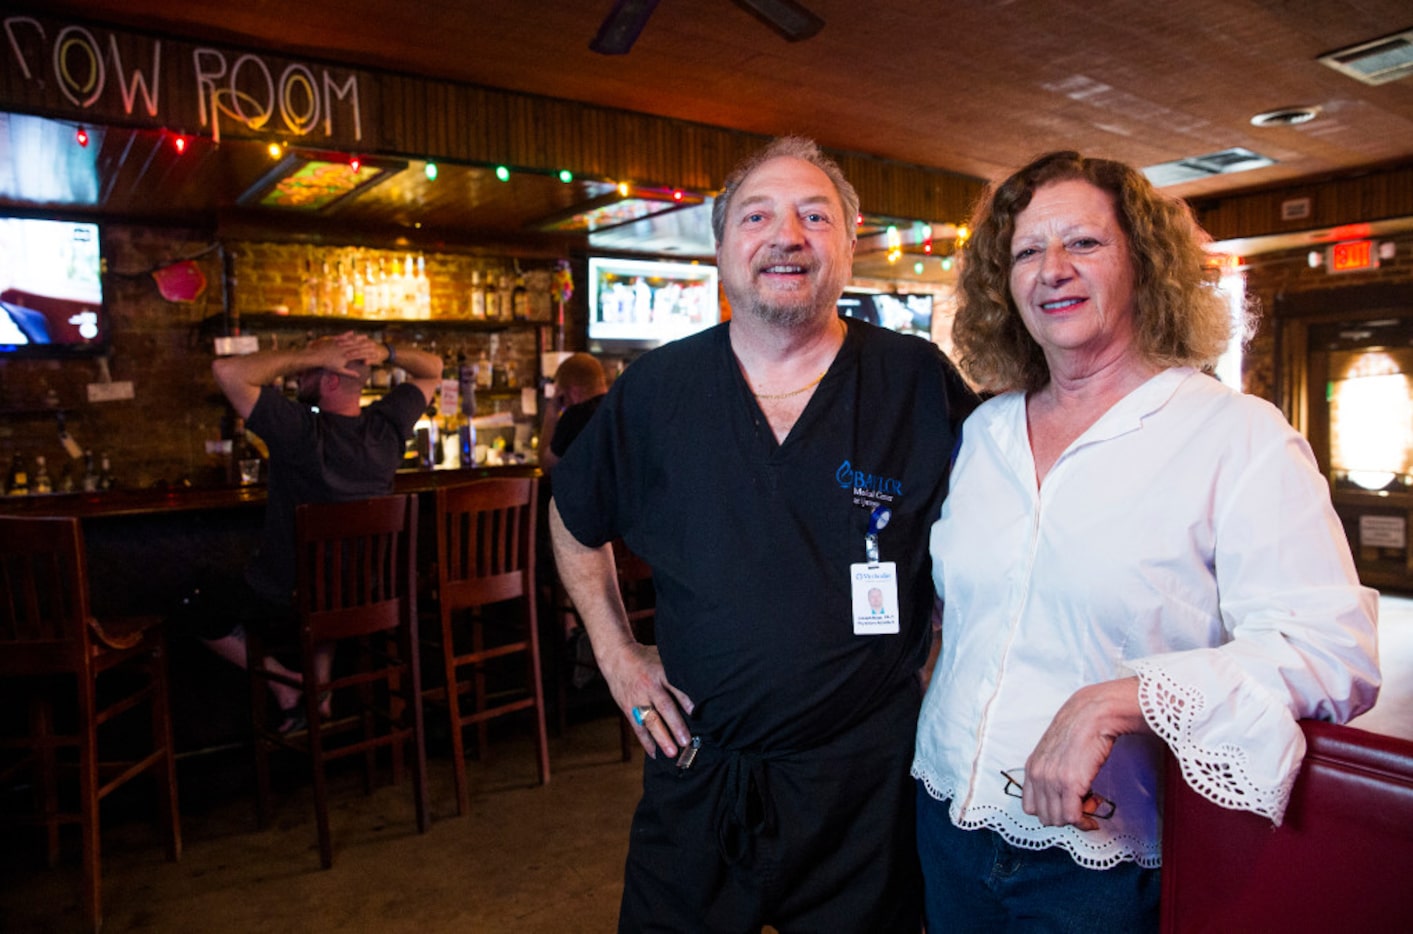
(324, 447)
(579, 387)
(1131, 555)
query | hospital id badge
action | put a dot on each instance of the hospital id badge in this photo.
(875, 596)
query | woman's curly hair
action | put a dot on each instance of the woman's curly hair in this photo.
(1180, 318)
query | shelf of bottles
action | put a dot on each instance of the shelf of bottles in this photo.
(34, 479)
(368, 284)
(484, 316)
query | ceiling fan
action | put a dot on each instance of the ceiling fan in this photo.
(626, 20)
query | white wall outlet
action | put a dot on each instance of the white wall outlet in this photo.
(240, 344)
(110, 392)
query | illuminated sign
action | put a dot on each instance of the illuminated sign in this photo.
(1352, 256)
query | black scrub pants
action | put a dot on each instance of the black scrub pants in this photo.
(822, 840)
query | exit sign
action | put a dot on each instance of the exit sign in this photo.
(1352, 256)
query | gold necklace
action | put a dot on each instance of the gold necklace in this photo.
(794, 392)
(807, 386)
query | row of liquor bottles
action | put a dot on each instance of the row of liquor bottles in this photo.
(354, 282)
(21, 481)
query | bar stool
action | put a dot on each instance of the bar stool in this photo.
(356, 573)
(52, 650)
(486, 557)
(635, 585)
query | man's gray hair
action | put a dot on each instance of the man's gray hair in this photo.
(793, 147)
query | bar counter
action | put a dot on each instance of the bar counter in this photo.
(148, 548)
(164, 500)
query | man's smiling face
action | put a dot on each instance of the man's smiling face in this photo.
(787, 248)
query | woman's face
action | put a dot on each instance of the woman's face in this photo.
(1072, 275)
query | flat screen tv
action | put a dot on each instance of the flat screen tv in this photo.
(645, 303)
(897, 311)
(51, 287)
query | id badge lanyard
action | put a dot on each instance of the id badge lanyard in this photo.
(874, 583)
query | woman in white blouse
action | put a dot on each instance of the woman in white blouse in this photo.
(1131, 555)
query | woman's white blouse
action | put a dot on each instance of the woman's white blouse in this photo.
(1187, 537)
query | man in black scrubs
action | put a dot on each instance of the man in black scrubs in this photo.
(771, 470)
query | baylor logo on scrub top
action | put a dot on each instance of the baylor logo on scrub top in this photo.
(869, 489)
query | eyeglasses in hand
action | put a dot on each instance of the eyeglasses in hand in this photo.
(1093, 805)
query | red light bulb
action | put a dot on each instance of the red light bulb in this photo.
(179, 143)
(355, 163)
(81, 136)
(676, 194)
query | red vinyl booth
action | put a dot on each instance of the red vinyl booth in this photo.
(1342, 860)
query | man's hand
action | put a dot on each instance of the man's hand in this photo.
(636, 678)
(335, 354)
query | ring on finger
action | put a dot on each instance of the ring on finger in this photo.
(640, 714)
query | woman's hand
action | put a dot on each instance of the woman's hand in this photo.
(1062, 767)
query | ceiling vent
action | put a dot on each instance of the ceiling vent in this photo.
(1192, 168)
(1377, 62)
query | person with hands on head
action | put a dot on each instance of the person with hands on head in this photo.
(324, 447)
(1132, 555)
(769, 470)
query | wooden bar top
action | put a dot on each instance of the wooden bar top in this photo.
(188, 499)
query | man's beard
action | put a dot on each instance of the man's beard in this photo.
(788, 315)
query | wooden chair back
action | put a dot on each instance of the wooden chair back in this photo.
(46, 629)
(486, 541)
(486, 555)
(356, 566)
(43, 596)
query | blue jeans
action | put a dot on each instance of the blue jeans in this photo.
(975, 881)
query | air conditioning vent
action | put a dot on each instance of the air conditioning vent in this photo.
(1192, 168)
(1377, 62)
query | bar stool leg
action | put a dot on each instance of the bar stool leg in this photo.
(170, 811)
(453, 702)
(89, 781)
(254, 663)
(316, 752)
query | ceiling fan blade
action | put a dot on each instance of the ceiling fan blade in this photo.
(786, 17)
(621, 27)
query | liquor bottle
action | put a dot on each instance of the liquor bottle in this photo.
(483, 372)
(520, 300)
(478, 297)
(17, 483)
(343, 290)
(66, 477)
(105, 477)
(422, 289)
(42, 483)
(507, 299)
(492, 299)
(90, 475)
(358, 296)
(466, 429)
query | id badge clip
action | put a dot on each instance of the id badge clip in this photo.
(874, 584)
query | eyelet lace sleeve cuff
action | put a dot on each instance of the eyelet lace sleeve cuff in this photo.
(1240, 751)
